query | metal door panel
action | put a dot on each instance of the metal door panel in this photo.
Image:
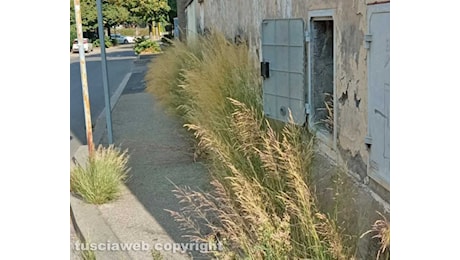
(282, 32)
(282, 59)
(296, 64)
(284, 89)
(281, 86)
(379, 91)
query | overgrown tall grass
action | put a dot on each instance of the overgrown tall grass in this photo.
(100, 180)
(262, 206)
(381, 231)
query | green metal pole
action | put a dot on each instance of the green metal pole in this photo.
(105, 79)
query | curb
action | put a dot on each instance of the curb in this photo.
(94, 230)
(76, 205)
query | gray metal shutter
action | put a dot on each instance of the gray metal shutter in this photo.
(283, 58)
(378, 42)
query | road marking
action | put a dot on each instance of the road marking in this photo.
(99, 130)
(101, 123)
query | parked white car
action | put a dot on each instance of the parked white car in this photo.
(122, 38)
(86, 45)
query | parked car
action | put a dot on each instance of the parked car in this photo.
(86, 45)
(122, 38)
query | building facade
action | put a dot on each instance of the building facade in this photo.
(328, 62)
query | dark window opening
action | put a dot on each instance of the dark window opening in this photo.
(322, 74)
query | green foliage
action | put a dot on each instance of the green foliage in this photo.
(88, 14)
(114, 42)
(108, 43)
(156, 255)
(88, 254)
(150, 10)
(114, 14)
(73, 34)
(85, 251)
(143, 45)
(173, 11)
(100, 180)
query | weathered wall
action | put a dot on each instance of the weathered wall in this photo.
(182, 18)
(351, 84)
(243, 18)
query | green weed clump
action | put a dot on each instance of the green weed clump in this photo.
(87, 253)
(100, 180)
(262, 206)
(107, 42)
(145, 45)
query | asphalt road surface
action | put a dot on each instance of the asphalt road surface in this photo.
(119, 63)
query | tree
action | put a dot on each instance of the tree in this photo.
(116, 12)
(88, 14)
(150, 11)
(113, 12)
(113, 15)
(173, 11)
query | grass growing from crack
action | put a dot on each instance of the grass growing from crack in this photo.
(100, 180)
(156, 255)
(88, 254)
(85, 251)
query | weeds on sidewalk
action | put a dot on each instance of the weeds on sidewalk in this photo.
(88, 254)
(263, 208)
(156, 255)
(196, 79)
(85, 251)
(144, 45)
(262, 205)
(99, 181)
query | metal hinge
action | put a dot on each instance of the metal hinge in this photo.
(367, 41)
(307, 108)
(368, 140)
(307, 36)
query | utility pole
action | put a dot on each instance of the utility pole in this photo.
(105, 78)
(84, 80)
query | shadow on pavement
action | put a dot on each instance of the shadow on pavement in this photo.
(160, 154)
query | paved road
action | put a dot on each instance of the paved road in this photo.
(119, 63)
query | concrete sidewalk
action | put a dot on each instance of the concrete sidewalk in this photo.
(160, 153)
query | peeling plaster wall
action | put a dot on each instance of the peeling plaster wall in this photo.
(351, 84)
(243, 18)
